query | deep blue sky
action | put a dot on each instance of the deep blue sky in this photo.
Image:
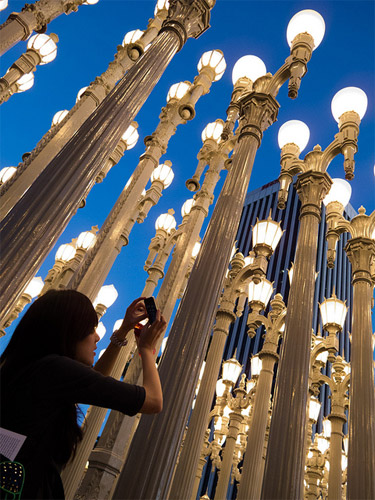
(88, 41)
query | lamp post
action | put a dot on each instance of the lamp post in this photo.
(284, 464)
(106, 297)
(254, 100)
(35, 17)
(236, 286)
(41, 49)
(51, 203)
(360, 250)
(253, 465)
(53, 141)
(114, 233)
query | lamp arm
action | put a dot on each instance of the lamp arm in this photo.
(255, 319)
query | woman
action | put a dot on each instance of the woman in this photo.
(46, 370)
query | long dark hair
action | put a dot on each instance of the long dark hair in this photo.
(53, 324)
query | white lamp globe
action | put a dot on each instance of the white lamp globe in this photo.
(25, 82)
(340, 191)
(45, 46)
(306, 21)
(166, 222)
(215, 60)
(132, 37)
(163, 173)
(161, 5)
(86, 240)
(349, 99)
(187, 206)
(100, 330)
(196, 249)
(130, 136)
(106, 296)
(59, 116)
(90, 2)
(65, 252)
(80, 93)
(250, 66)
(6, 173)
(213, 130)
(3, 4)
(178, 90)
(294, 132)
(34, 288)
(117, 324)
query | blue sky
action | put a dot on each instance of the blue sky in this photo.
(87, 43)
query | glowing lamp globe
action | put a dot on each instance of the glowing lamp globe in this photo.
(106, 296)
(25, 82)
(90, 2)
(220, 388)
(178, 90)
(294, 132)
(59, 116)
(163, 173)
(215, 60)
(166, 222)
(322, 443)
(322, 357)
(187, 206)
(80, 93)
(340, 191)
(314, 409)
(231, 370)
(260, 292)
(100, 330)
(256, 366)
(161, 5)
(6, 173)
(130, 136)
(3, 4)
(333, 312)
(132, 37)
(34, 288)
(196, 249)
(327, 426)
(349, 99)
(86, 240)
(117, 325)
(344, 461)
(45, 45)
(213, 131)
(267, 232)
(306, 21)
(251, 67)
(65, 252)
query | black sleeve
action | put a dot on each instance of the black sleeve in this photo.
(75, 382)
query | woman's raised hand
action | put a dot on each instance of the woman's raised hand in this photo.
(150, 333)
(135, 313)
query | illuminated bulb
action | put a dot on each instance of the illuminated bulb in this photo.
(3, 4)
(25, 82)
(220, 388)
(161, 5)
(80, 93)
(340, 191)
(196, 249)
(100, 330)
(231, 370)
(178, 90)
(65, 252)
(59, 116)
(6, 173)
(45, 46)
(130, 136)
(215, 60)
(86, 240)
(132, 37)
(163, 173)
(34, 288)
(306, 21)
(187, 206)
(106, 296)
(349, 99)
(166, 222)
(260, 292)
(294, 132)
(251, 67)
(213, 130)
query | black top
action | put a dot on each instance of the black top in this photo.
(39, 401)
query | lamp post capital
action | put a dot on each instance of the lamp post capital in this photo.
(312, 186)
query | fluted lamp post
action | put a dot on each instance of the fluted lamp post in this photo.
(161, 178)
(41, 49)
(360, 250)
(106, 297)
(50, 204)
(286, 444)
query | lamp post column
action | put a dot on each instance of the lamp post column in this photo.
(41, 215)
(185, 347)
(361, 454)
(284, 469)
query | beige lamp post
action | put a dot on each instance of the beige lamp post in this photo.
(52, 142)
(81, 159)
(185, 349)
(286, 456)
(314, 472)
(114, 232)
(41, 49)
(35, 17)
(361, 251)
(236, 285)
(252, 469)
(32, 290)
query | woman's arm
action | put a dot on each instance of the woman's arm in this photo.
(135, 313)
(146, 342)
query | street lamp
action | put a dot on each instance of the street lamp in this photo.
(59, 116)
(105, 298)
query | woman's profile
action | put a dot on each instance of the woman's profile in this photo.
(46, 370)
